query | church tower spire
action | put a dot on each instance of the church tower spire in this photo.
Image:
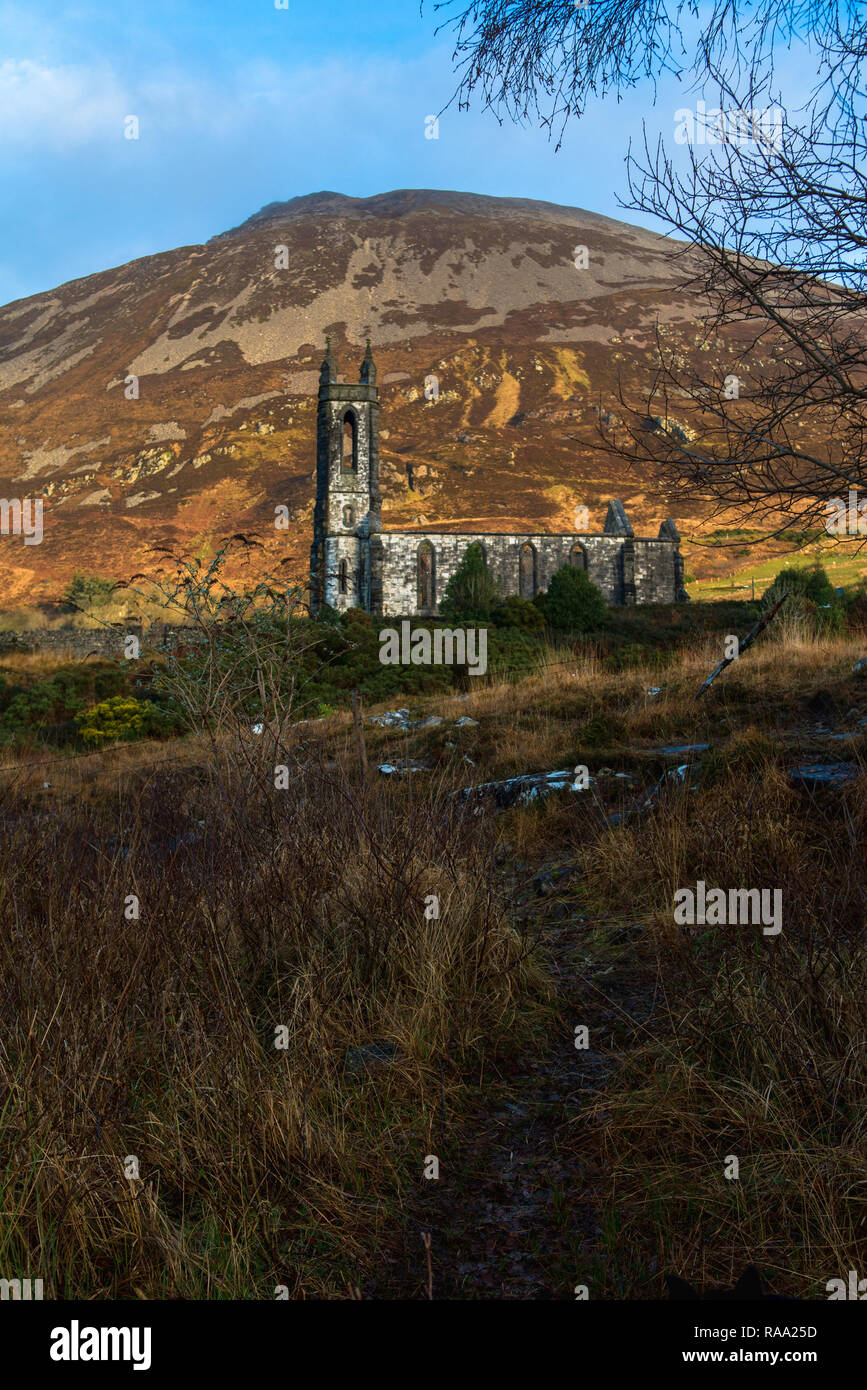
(328, 370)
(368, 368)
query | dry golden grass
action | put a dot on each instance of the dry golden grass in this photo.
(725, 1042)
(730, 1043)
(153, 1037)
(579, 710)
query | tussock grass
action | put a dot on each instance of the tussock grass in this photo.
(153, 1038)
(750, 1046)
(718, 1041)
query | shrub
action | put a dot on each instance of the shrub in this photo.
(86, 591)
(357, 617)
(574, 603)
(855, 604)
(121, 719)
(514, 652)
(520, 613)
(48, 706)
(633, 654)
(810, 582)
(472, 592)
(814, 604)
(46, 702)
(603, 731)
(801, 538)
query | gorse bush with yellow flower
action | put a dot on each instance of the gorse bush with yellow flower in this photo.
(121, 719)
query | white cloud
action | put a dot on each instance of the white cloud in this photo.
(57, 107)
(47, 109)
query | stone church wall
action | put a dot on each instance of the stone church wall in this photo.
(652, 571)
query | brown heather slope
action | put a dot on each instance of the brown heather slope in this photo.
(482, 291)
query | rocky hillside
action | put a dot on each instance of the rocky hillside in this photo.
(225, 340)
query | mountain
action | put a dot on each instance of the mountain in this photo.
(484, 293)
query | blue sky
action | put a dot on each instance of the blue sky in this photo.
(242, 104)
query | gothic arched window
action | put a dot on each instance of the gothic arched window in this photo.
(426, 577)
(527, 572)
(349, 516)
(349, 456)
(578, 557)
(343, 577)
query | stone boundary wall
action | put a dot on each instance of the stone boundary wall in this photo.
(81, 642)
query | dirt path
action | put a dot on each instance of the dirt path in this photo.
(515, 1215)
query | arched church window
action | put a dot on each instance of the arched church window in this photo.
(349, 516)
(343, 577)
(349, 458)
(426, 577)
(578, 557)
(527, 572)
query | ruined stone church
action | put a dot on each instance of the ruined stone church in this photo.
(355, 564)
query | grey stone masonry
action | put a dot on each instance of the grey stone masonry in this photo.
(355, 564)
(76, 643)
(109, 641)
(348, 509)
(617, 523)
(637, 571)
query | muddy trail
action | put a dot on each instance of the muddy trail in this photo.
(516, 1212)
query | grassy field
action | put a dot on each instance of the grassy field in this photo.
(844, 561)
(235, 1031)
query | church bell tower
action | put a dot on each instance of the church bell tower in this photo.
(348, 508)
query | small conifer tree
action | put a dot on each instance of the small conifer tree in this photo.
(472, 591)
(573, 602)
